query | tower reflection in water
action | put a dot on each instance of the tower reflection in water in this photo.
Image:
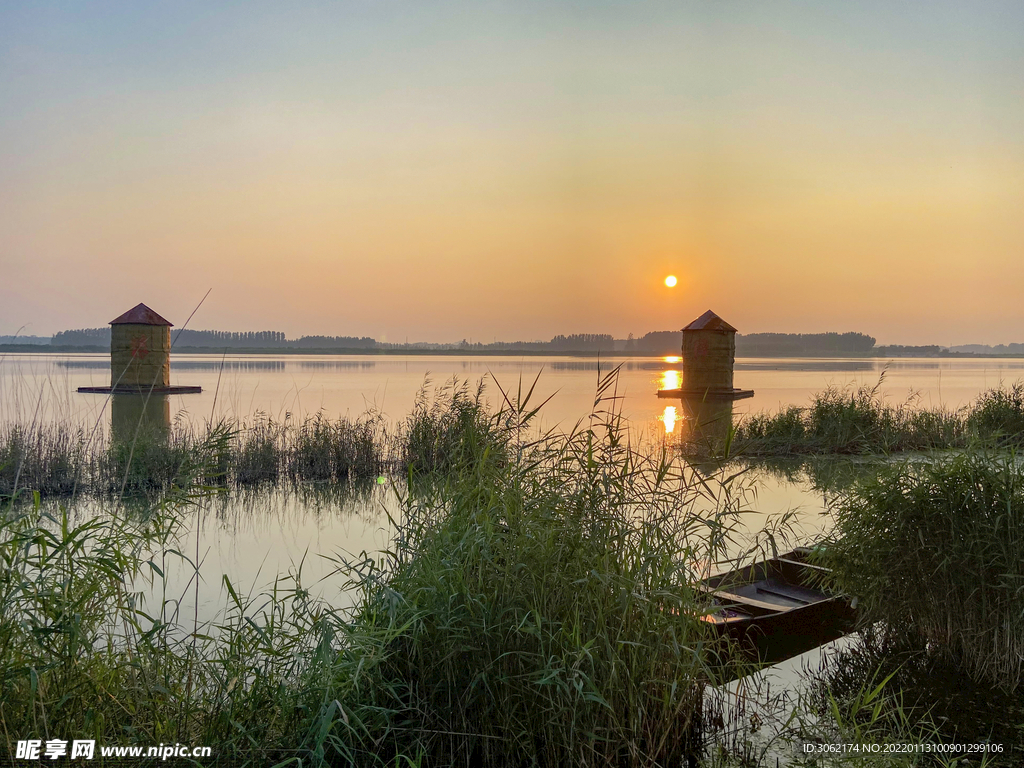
(702, 425)
(133, 416)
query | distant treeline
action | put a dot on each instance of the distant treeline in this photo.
(985, 349)
(189, 338)
(657, 343)
(654, 343)
(100, 337)
(803, 344)
(765, 344)
(898, 350)
(24, 339)
(82, 337)
(333, 342)
(584, 342)
(579, 342)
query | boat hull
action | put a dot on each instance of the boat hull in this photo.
(777, 609)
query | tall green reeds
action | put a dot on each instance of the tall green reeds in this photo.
(860, 421)
(84, 654)
(323, 450)
(56, 460)
(533, 609)
(449, 430)
(999, 414)
(48, 460)
(936, 549)
(924, 692)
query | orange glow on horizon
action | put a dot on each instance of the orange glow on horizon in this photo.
(803, 197)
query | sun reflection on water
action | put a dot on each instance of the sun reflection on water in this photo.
(669, 417)
(671, 358)
(670, 380)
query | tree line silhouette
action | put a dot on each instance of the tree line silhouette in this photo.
(653, 343)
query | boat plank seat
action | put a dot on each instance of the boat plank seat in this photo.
(798, 564)
(744, 600)
(776, 592)
(787, 591)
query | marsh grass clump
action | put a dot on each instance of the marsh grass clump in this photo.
(44, 458)
(859, 421)
(999, 416)
(59, 460)
(322, 450)
(449, 430)
(853, 421)
(763, 433)
(865, 716)
(535, 608)
(83, 654)
(837, 421)
(155, 460)
(850, 421)
(258, 455)
(63, 584)
(937, 547)
(90, 649)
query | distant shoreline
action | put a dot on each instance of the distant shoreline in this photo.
(42, 349)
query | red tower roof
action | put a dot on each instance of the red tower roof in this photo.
(709, 321)
(140, 315)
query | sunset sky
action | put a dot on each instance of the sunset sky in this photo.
(439, 171)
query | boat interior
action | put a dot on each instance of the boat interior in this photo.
(779, 584)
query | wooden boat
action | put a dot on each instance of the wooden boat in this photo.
(778, 608)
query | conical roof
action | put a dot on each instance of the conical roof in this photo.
(709, 321)
(140, 315)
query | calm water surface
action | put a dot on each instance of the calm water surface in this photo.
(43, 386)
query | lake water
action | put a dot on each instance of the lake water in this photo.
(43, 386)
(252, 538)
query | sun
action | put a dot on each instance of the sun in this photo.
(671, 281)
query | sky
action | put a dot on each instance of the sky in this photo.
(433, 171)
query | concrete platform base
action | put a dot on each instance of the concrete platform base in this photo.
(707, 394)
(140, 390)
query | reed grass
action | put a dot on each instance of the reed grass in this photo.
(324, 450)
(536, 607)
(445, 427)
(860, 699)
(57, 460)
(449, 431)
(868, 717)
(922, 690)
(999, 414)
(937, 547)
(532, 609)
(859, 420)
(45, 459)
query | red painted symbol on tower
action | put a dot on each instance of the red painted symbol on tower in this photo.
(140, 347)
(701, 348)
